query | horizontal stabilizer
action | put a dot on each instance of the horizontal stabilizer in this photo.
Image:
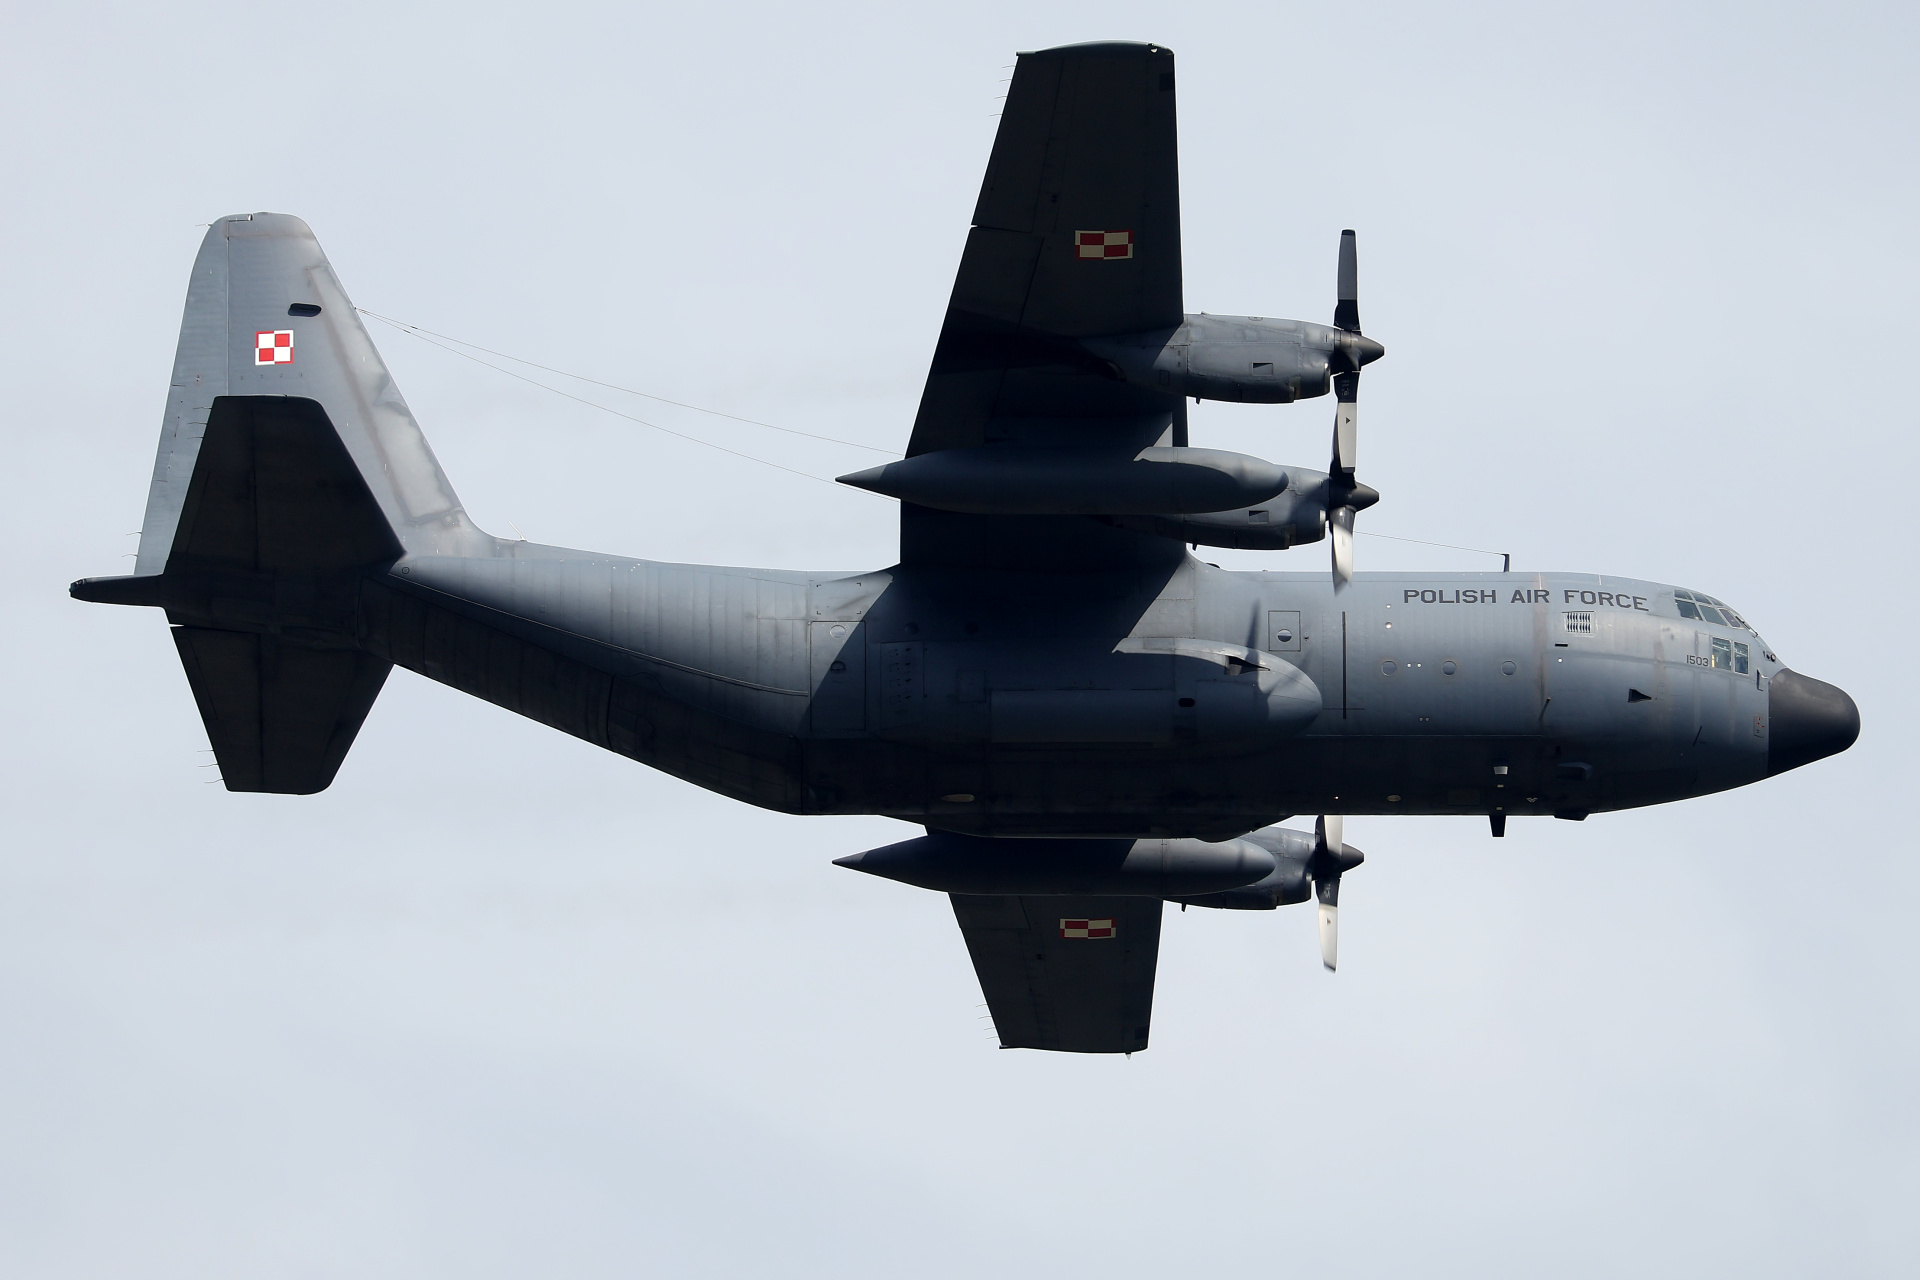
(280, 717)
(262, 584)
(1072, 974)
(274, 490)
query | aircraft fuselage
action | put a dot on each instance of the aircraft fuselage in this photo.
(1088, 704)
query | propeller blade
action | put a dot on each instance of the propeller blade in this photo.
(1346, 423)
(1346, 311)
(1340, 485)
(1329, 860)
(1342, 489)
(1340, 535)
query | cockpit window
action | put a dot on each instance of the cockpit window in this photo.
(1702, 607)
(1731, 655)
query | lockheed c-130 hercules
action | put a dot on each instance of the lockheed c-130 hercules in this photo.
(1087, 720)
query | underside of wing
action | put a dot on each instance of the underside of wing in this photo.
(1072, 974)
(1076, 236)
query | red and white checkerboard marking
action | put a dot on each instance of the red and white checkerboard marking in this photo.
(1087, 928)
(1098, 246)
(273, 346)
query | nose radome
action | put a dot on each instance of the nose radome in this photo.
(1810, 719)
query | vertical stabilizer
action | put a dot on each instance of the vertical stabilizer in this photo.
(266, 316)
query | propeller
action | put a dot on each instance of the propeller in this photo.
(1345, 495)
(1330, 859)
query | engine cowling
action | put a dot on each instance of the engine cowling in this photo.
(1290, 881)
(1250, 359)
(1295, 515)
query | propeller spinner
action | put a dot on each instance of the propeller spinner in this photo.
(1346, 496)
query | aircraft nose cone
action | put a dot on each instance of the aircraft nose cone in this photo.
(1810, 719)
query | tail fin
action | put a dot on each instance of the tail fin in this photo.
(266, 316)
(289, 468)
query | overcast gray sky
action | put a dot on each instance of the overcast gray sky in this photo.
(1646, 277)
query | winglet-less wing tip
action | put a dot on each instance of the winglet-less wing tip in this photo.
(1097, 46)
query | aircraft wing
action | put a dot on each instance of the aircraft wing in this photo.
(1073, 974)
(1076, 235)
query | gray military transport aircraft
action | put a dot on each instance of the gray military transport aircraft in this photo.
(1087, 720)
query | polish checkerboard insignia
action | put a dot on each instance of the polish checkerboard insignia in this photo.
(1098, 246)
(1087, 928)
(273, 346)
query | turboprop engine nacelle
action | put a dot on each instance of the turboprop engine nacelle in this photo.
(1295, 515)
(1245, 358)
(1291, 879)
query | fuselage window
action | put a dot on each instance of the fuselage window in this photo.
(1579, 624)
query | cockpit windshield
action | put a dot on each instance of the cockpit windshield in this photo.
(1702, 607)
